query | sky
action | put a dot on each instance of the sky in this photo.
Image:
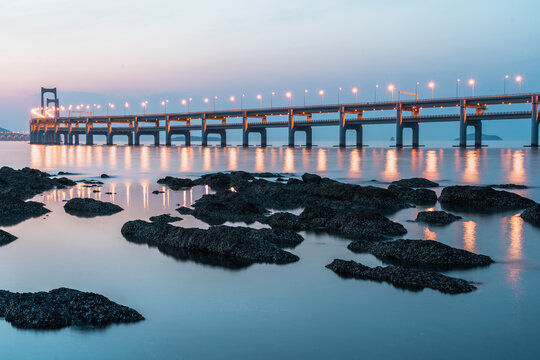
(115, 51)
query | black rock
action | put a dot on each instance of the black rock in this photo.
(13, 210)
(225, 246)
(421, 253)
(311, 178)
(85, 207)
(62, 308)
(509, 186)
(415, 280)
(532, 215)
(437, 217)
(165, 218)
(26, 183)
(415, 183)
(104, 176)
(155, 192)
(176, 183)
(414, 196)
(285, 220)
(482, 199)
(294, 181)
(6, 238)
(65, 173)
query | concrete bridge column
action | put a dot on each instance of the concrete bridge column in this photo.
(136, 134)
(245, 132)
(89, 135)
(415, 135)
(463, 124)
(263, 138)
(168, 135)
(309, 136)
(534, 122)
(204, 131)
(399, 126)
(109, 132)
(478, 134)
(291, 128)
(342, 128)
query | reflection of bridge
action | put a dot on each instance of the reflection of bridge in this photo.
(51, 130)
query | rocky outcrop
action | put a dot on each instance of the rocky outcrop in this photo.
(415, 280)
(311, 178)
(532, 215)
(26, 183)
(175, 183)
(14, 210)
(415, 183)
(414, 196)
(86, 207)
(482, 199)
(421, 253)
(6, 238)
(61, 308)
(165, 218)
(509, 186)
(225, 246)
(437, 217)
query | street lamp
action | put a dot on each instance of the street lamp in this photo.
(207, 101)
(458, 80)
(321, 92)
(432, 86)
(417, 84)
(519, 78)
(338, 93)
(259, 97)
(376, 87)
(504, 87)
(472, 82)
(271, 98)
(355, 92)
(144, 104)
(111, 106)
(184, 102)
(233, 100)
(289, 95)
(164, 104)
(189, 102)
(305, 92)
(126, 108)
(391, 89)
(242, 101)
(215, 98)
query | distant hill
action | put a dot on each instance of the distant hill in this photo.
(2, 130)
(486, 137)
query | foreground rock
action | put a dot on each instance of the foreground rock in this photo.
(482, 199)
(414, 196)
(61, 308)
(509, 186)
(165, 218)
(176, 183)
(26, 183)
(437, 217)
(415, 183)
(402, 278)
(14, 210)
(225, 246)
(356, 224)
(421, 253)
(532, 215)
(6, 238)
(85, 207)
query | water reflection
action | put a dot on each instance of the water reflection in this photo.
(354, 163)
(515, 247)
(469, 236)
(470, 173)
(321, 160)
(431, 171)
(429, 235)
(391, 172)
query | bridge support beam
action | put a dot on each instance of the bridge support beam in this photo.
(342, 127)
(245, 131)
(535, 122)
(291, 128)
(463, 123)
(399, 126)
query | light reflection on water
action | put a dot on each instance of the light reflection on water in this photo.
(189, 305)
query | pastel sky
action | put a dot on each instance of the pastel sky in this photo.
(114, 50)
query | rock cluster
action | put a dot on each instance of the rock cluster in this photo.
(532, 215)
(86, 207)
(14, 210)
(26, 183)
(415, 183)
(437, 217)
(482, 199)
(6, 238)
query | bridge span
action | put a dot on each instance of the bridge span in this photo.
(469, 112)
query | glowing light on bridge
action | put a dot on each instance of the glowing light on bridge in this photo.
(431, 85)
(472, 82)
(259, 97)
(519, 78)
(321, 93)
(391, 89)
(233, 100)
(289, 96)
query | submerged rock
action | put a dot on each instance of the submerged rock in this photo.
(482, 199)
(421, 253)
(225, 246)
(27, 183)
(86, 207)
(532, 215)
(62, 308)
(437, 217)
(415, 183)
(414, 196)
(176, 183)
(6, 238)
(165, 218)
(14, 210)
(399, 277)
(509, 186)
(311, 178)
(104, 176)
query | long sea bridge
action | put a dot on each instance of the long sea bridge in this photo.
(469, 112)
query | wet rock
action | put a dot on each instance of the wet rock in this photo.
(176, 183)
(110, 193)
(280, 179)
(509, 186)
(354, 224)
(155, 192)
(14, 210)
(311, 178)
(61, 308)
(165, 218)
(26, 183)
(104, 176)
(437, 217)
(6, 238)
(414, 196)
(532, 215)
(415, 280)
(225, 246)
(85, 207)
(421, 253)
(64, 173)
(482, 199)
(294, 181)
(415, 183)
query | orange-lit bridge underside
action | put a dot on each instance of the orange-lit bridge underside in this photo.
(57, 130)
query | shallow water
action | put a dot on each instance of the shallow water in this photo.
(270, 311)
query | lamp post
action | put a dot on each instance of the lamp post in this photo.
(111, 106)
(207, 102)
(305, 92)
(289, 95)
(338, 93)
(458, 80)
(472, 82)
(417, 84)
(184, 102)
(126, 108)
(144, 104)
(164, 104)
(432, 86)
(215, 98)
(189, 102)
(233, 100)
(321, 92)
(375, 97)
(355, 92)
(391, 89)
(242, 101)
(519, 78)
(259, 97)
(504, 86)
(271, 99)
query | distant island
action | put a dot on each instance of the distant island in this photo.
(6, 135)
(486, 137)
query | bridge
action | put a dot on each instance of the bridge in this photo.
(51, 128)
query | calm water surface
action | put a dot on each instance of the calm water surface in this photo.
(301, 310)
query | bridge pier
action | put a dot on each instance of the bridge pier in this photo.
(342, 127)
(291, 128)
(464, 123)
(186, 133)
(399, 126)
(535, 122)
(221, 132)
